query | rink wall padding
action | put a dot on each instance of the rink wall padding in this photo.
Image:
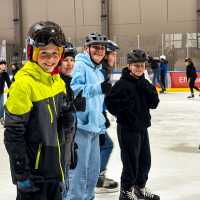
(176, 81)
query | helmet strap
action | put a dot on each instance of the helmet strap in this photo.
(29, 52)
(36, 51)
(35, 54)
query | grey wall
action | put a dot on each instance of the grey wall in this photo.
(151, 18)
(127, 17)
(6, 17)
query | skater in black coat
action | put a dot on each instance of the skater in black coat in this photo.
(130, 100)
(75, 104)
(4, 78)
(191, 76)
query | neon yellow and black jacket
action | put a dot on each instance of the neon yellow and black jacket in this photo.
(34, 135)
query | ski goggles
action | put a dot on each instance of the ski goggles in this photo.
(44, 38)
(36, 52)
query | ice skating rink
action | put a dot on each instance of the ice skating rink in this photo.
(174, 138)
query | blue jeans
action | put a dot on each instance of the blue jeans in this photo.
(66, 184)
(83, 179)
(105, 151)
(156, 77)
(1, 105)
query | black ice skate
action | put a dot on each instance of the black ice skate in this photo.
(127, 194)
(191, 96)
(162, 91)
(145, 194)
(105, 185)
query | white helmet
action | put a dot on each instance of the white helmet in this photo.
(163, 57)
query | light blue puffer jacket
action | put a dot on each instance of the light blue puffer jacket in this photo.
(87, 77)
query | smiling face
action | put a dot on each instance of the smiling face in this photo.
(137, 69)
(48, 57)
(97, 52)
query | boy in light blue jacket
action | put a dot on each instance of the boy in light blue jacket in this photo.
(88, 78)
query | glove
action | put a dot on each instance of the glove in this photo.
(107, 123)
(27, 186)
(102, 139)
(74, 156)
(80, 102)
(106, 87)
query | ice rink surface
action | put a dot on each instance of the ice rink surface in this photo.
(174, 138)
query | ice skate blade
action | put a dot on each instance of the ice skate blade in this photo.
(102, 190)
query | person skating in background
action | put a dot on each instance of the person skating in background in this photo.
(14, 68)
(191, 76)
(130, 100)
(163, 71)
(155, 66)
(106, 144)
(88, 78)
(35, 124)
(73, 105)
(4, 78)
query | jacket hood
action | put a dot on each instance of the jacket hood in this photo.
(85, 58)
(34, 70)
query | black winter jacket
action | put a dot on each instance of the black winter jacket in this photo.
(130, 100)
(4, 77)
(74, 105)
(71, 120)
(191, 71)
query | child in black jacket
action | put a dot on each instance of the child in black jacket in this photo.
(74, 104)
(130, 100)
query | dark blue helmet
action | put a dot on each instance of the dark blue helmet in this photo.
(112, 46)
(69, 50)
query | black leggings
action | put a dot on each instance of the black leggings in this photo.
(192, 85)
(163, 79)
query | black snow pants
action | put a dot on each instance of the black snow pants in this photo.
(135, 156)
(192, 85)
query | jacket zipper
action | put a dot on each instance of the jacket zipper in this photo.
(51, 114)
(38, 156)
(59, 154)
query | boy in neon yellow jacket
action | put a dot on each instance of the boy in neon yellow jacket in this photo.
(34, 121)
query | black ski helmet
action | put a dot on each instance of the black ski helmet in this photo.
(188, 59)
(95, 38)
(69, 50)
(42, 33)
(136, 56)
(3, 62)
(112, 46)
